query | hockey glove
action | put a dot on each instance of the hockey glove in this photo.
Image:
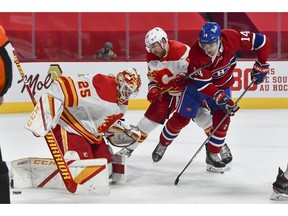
(223, 100)
(154, 95)
(259, 72)
(179, 81)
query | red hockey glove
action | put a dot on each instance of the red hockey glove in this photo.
(179, 81)
(259, 72)
(154, 95)
(226, 103)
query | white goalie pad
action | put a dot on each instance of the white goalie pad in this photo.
(119, 167)
(122, 135)
(45, 115)
(91, 175)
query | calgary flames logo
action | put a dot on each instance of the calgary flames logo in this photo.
(162, 77)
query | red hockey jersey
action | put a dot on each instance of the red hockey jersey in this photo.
(220, 73)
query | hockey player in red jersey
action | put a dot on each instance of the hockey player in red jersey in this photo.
(218, 47)
(167, 63)
(80, 110)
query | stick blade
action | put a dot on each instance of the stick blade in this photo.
(176, 181)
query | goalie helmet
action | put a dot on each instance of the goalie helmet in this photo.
(128, 84)
(155, 35)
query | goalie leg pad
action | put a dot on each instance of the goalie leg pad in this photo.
(91, 175)
(45, 115)
(119, 164)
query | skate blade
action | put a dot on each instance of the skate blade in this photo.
(278, 196)
(213, 169)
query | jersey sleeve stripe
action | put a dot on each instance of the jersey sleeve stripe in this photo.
(69, 91)
(51, 106)
(259, 41)
(75, 125)
(203, 87)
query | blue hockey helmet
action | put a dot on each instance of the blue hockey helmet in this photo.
(210, 33)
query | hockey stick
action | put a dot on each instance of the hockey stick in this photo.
(183, 79)
(211, 134)
(50, 140)
(189, 76)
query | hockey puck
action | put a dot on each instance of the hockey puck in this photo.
(17, 192)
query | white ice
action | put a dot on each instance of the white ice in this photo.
(257, 138)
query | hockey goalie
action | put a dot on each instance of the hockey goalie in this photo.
(82, 113)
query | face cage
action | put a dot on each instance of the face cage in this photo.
(125, 92)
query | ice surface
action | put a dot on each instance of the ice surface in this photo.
(257, 138)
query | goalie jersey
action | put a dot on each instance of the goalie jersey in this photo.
(90, 104)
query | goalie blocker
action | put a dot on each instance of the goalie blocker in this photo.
(45, 115)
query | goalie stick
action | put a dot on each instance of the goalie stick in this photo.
(211, 134)
(58, 157)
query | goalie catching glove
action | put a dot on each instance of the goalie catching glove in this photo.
(122, 135)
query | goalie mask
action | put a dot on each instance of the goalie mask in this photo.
(128, 84)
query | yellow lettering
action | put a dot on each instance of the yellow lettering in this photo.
(36, 161)
(58, 158)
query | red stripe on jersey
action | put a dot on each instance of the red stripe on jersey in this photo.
(69, 119)
(69, 91)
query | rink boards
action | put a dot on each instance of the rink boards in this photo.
(272, 93)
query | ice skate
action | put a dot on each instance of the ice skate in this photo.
(214, 163)
(280, 187)
(125, 151)
(158, 152)
(226, 155)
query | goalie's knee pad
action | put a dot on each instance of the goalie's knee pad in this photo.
(45, 115)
